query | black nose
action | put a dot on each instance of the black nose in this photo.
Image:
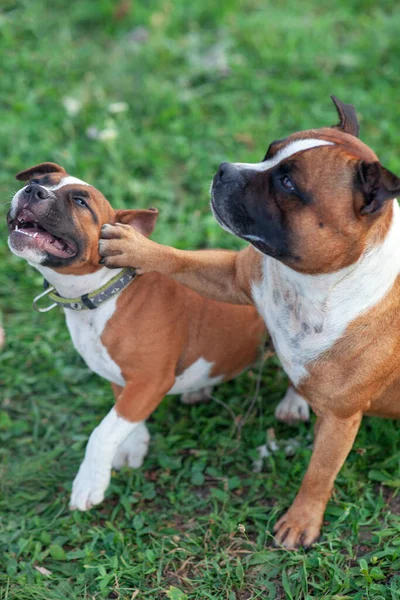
(227, 172)
(36, 192)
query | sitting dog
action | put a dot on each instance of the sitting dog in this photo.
(149, 336)
(323, 269)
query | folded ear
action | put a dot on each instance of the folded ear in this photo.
(348, 118)
(142, 220)
(42, 169)
(377, 185)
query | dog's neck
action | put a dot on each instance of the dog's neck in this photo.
(308, 313)
(72, 286)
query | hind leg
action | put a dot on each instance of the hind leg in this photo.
(292, 408)
(108, 444)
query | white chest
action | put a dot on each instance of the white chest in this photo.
(297, 325)
(86, 328)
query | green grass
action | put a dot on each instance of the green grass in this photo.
(203, 82)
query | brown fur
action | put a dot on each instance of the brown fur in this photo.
(160, 328)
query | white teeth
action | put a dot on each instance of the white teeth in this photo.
(35, 235)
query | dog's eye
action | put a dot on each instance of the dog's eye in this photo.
(79, 201)
(287, 184)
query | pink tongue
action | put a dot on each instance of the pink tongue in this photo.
(45, 241)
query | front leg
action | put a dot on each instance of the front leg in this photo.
(94, 473)
(132, 451)
(114, 441)
(301, 525)
(221, 275)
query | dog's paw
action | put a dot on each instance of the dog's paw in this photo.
(89, 486)
(133, 450)
(120, 245)
(292, 408)
(202, 395)
(298, 528)
(116, 245)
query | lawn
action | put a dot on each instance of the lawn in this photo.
(144, 99)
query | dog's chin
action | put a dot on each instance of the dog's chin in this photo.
(29, 252)
(221, 220)
(258, 242)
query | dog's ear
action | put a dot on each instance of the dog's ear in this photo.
(42, 169)
(377, 185)
(142, 220)
(348, 118)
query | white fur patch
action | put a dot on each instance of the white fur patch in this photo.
(307, 314)
(284, 153)
(68, 180)
(94, 473)
(86, 328)
(195, 377)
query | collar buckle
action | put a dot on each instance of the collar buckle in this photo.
(39, 296)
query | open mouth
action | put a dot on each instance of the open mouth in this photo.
(27, 225)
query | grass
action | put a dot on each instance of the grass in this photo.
(202, 82)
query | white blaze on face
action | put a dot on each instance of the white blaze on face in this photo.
(284, 153)
(68, 180)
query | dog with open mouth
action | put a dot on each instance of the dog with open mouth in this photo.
(323, 268)
(149, 336)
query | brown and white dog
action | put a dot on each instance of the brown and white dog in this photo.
(323, 270)
(154, 337)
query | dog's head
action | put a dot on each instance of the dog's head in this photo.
(55, 220)
(316, 202)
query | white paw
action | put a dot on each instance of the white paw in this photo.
(133, 450)
(89, 486)
(202, 395)
(292, 408)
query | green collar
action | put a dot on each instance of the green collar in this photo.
(87, 301)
